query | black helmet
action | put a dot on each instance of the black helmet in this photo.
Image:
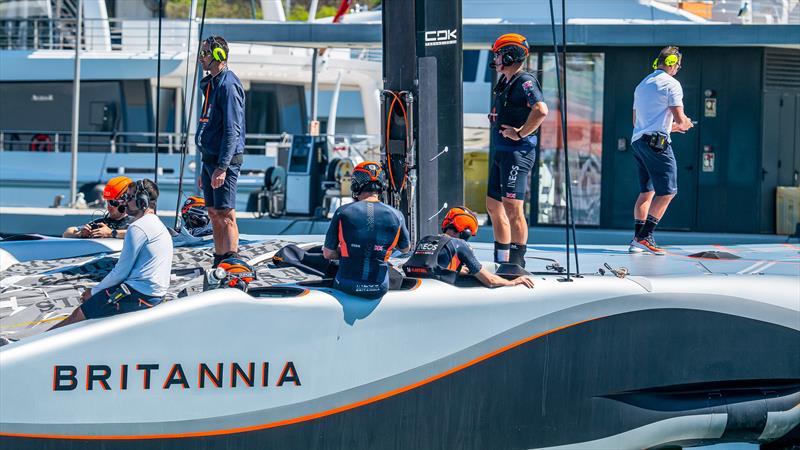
(367, 176)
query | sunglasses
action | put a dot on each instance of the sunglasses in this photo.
(204, 53)
(116, 203)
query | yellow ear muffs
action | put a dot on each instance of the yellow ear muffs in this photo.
(219, 54)
(671, 60)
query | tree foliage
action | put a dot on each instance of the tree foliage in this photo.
(241, 9)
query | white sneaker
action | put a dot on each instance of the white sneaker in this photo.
(634, 247)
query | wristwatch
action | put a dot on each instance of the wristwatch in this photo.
(114, 233)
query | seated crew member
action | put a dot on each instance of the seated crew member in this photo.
(363, 234)
(114, 223)
(445, 255)
(141, 277)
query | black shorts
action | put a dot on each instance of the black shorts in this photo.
(223, 197)
(101, 305)
(508, 173)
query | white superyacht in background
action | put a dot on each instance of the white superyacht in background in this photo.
(118, 96)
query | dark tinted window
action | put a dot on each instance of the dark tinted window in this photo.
(471, 65)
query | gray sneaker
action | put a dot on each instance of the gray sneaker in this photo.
(649, 245)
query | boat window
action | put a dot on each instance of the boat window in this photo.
(471, 65)
(585, 113)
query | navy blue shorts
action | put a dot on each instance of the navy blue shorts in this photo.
(658, 170)
(508, 173)
(100, 304)
(225, 196)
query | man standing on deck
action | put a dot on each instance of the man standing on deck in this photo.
(363, 234)
(220, 138)
(140, 278)
(518, 109)
(657, 111)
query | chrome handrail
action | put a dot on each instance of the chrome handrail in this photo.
(142, 142)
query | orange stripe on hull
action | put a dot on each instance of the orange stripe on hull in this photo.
(308, 417)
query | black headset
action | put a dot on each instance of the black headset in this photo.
(141, 197)
(466, 233)
(508, 58)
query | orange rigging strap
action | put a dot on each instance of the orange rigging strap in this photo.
(395, 99)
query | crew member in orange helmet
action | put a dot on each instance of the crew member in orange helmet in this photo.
(444, 256)
(518, 109)
(114, 223)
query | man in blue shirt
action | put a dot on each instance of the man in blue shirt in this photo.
(363, 234)
(220, 139)
(518, 109)
(444, 256)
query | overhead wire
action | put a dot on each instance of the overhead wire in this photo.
(566, 143)
(188, 115)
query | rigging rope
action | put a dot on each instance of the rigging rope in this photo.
(566, 146)
(188, 115)
(158, 88)
(562, 100)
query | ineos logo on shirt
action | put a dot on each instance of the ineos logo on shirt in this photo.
(441, 37)
(427, 246)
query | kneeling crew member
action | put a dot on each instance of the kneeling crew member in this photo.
(363, 234)
(114, 223)
(445, 255)
(141, 277)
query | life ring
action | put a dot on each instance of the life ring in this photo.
(41, 143)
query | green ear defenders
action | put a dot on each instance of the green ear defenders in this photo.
(216, 49)
(669, 61)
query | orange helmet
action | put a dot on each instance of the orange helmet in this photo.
(461, 219)
(239, 274)
(514, 39)
(116, 187)
(367, 175)
(512, 47)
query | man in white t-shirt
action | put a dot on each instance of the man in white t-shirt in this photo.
(141, 277)
(657, 112)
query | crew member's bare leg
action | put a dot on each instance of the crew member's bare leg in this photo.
(226, 232)
(659, 205)
(515, 211)
(500, 224)
(76, 316)
(642, 207)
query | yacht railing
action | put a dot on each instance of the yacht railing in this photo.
(364, 145)
(96, 34)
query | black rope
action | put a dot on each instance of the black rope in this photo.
(158, 88)
(566, 143)
(563, 109)
(188, 115)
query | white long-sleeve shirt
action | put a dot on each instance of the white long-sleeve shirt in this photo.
(146, 259)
